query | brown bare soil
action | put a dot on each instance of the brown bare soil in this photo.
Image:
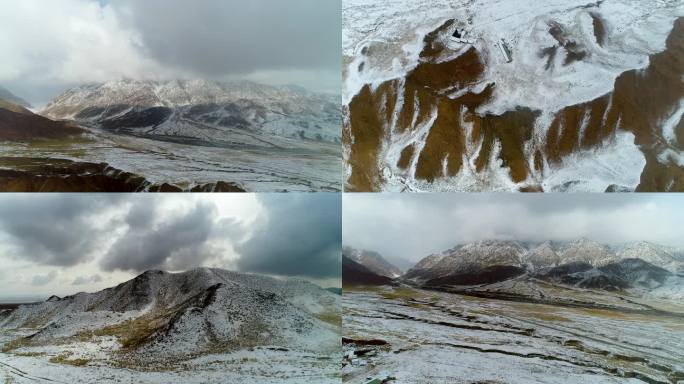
(20, 126)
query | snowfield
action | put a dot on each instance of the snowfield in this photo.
(418, 336)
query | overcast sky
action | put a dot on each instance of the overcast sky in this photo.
(47, 46)
(412, 226)
(67, 243)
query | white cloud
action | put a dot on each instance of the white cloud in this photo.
(68, 41)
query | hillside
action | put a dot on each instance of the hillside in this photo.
(159, 315)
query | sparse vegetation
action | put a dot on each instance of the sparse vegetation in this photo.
(334, 318)
(132, 333)
(64, 359)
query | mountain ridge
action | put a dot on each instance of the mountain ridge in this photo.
(231, 112)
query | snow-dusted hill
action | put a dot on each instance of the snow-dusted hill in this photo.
(642, 265)
(159, 315)
(235, 113)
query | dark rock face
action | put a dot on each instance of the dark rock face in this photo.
(569, 268)
(487, 275)
(60, 175)
(149, 117)
(354, 274)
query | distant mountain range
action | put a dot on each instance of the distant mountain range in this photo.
(6, 95)
(357, 274)
(582, 263)
(206, 112)
(160, 315)
(373, 261)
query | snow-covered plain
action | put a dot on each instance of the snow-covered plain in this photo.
(437, 337)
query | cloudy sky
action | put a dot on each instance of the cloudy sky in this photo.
(48, 46)
(412, 226)
(67, 243)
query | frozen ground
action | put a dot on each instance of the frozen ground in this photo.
(438, 337)
(317, 168)
(248, 366)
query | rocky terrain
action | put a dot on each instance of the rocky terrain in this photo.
(203, 320)
(373, 261)
(568, 96)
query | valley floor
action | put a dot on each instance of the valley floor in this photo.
(315, 166)
(419, 336)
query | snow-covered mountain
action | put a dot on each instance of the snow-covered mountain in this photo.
(659, 255)
(563, 258)
(586, 251)
(160, 314)
(373, 261)
(225, 113)
(468, 258)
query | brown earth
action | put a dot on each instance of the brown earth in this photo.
(18, 125)
(639, 102)
(59, 175)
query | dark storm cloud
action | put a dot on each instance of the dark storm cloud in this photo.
(53, 229)
(219, 37)
(302, 237)
(412, 226)
(175, 243)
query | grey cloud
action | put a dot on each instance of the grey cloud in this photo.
(301, 237)
(174, 243)
(53, 229)
(82, 280)
(40, 280)
(219, 37)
